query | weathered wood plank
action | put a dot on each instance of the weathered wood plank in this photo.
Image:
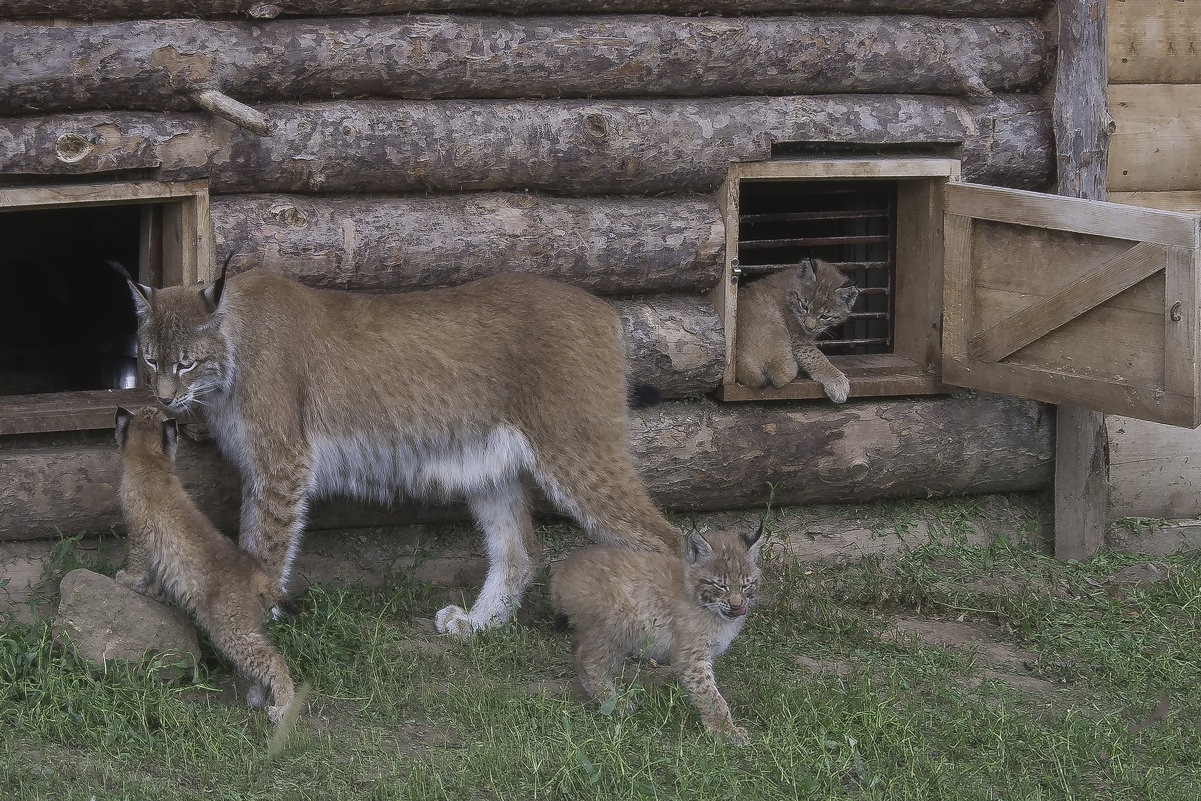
(1157, 142)
(1082, 127)
(692, 455)
(115, 9)
(181, 64)
(573, 147)
(604, 244)
(1187, 202)
(1084, 293)
(1154, 41)
(1154, 470)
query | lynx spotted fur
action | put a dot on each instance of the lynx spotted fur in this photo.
(780, 316)
(685, 611)
(471, 392)
(175, 550)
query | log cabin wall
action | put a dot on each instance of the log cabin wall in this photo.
(1155, 160)
(387, 145)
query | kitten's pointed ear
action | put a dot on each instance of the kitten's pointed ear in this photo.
(754, 541)
(848, 294)
(213, 292)
(807, 271)
(696, 548)
(122, 424)
(170, 437)
(143, 296)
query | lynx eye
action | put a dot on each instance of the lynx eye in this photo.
(720, 585)
(151, 363)
(184, 365)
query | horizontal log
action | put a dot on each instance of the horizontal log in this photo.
(257, 9)
(696, 455)
(675, 343)
(167, 65)
(572, 147)
(604, 244)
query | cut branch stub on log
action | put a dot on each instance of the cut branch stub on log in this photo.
(692, 456)
(146, 65)
(124, 9)
(238, 113)
(652, 146)
(604, 244)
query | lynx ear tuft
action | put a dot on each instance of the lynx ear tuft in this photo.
(754, 541)
(122, 424)
(807, 271)
(848, 294)
(170, 437)
(213, 292)
(696, 548)
(143, 296)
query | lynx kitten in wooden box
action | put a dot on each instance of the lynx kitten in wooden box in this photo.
(683, 611)
(779, 319)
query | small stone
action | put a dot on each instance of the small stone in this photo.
(103, 620)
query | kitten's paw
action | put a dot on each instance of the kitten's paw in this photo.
(454, 620)
(276, 713)
(736, 735)
(256, 697)
(837, 388)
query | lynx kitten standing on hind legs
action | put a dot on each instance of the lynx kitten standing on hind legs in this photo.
(175, 550)
(685, 611)
(780, 316)
(468, 392)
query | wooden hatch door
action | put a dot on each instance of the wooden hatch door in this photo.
(1070, 301)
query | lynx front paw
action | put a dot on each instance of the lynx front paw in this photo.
(454, 620)
(736, 735)
(837, 388)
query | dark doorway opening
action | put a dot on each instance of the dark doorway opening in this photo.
(67, 321)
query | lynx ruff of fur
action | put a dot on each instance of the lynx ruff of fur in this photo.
(175, 550)
(686, 611)
(780, 316)
(465, 392)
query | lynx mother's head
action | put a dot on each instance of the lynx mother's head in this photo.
(182, 350)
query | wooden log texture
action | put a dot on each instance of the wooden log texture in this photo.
(569, 147)
(692, 455)
(257, 9)
(675, 343)
(604, 244)
(157, 65)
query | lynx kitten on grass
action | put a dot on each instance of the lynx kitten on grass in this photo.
(779, 319)
(175, 551)
(686, 611)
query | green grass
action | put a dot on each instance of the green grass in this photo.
(398, 713)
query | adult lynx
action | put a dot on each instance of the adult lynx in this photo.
(175, 550)
(687, 611)
(780, 316)
(466, 392)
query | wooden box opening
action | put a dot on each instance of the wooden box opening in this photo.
(880, 221)
(68, 356)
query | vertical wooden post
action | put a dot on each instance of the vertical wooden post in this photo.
(1082, 129)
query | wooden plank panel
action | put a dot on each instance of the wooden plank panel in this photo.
(846, 169)
(1053, 387)
(1055, 310)
(1185, 202)
(1093, 217)
(1154, 470)
(957, 282)
(1180, 321)
(1156, 144)
(50, 197)
(65, 411)
(725, 294)
(919, 255)
(1154, 41)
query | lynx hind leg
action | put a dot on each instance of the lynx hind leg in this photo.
(595, 664)
(596, 484)
(780, 369)
(696, 677)
(503, 517)
(255, 657)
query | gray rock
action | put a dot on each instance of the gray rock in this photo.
(104, 621)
